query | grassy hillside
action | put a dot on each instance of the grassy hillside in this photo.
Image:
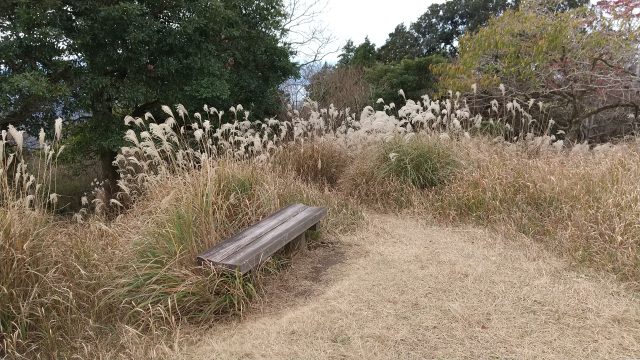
(120, 275)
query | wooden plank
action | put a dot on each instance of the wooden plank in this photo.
(242, 239)
(280, 235)
(262, 248)
(266, 246)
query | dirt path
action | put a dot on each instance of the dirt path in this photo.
(400, 290)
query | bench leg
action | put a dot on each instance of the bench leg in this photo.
(315, 227)
(297, 244)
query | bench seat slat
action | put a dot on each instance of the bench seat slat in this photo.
(261, 249)
(247, 236)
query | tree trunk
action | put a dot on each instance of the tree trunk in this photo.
(575, 131)
(109, 172)
(102, 114)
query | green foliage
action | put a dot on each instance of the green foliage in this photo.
(440, 28)
(419, 162)
(493, 129)
(551, 6)
(409, 59)
(401, 44)
(414, 76)
(513, 47)
(361, 80)
(110, 58)
(363, 55)
(510, 50)
(348, 50)
(574, 61)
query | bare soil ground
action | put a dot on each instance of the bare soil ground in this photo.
(402, 290)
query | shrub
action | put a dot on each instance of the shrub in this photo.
(414, 76)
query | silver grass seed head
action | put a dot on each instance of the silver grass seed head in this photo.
(41, 138)
(58, 129)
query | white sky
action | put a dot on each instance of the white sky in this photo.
(355, 19)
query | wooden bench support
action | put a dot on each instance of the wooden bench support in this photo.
(251, 247)
(296, 245)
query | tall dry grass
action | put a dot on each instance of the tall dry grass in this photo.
(67, 288)
(321, 162)
(585, 204)
(388, 175)
(121, 274)
(582, 201)
(120, 277)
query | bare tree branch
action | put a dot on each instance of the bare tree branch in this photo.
(304, 31)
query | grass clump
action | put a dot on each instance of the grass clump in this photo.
(49, 285)
(320, 162)
(392, 175)
(422, 162)
(364, 182)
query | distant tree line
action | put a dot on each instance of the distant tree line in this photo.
(405, 60)
(579, 59)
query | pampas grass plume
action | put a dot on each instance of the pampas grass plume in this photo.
(41, 138)
(17, 136)
(58, 129)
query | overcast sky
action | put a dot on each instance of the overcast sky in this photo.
(355, 19)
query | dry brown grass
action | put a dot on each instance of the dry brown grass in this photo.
(585, 205)
(407, 291)
(388, 176)
(123, 287)
(63, 282)
(359, 175)
(365, 182)
(320, 162)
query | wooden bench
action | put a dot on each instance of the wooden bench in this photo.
(251, 247)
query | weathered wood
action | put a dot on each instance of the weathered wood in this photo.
(265, 246)
(254, 245)
(296, 245)
(240, 240)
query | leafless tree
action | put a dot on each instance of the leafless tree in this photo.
(311, 41)
(296, 89)
(344, 87)
(305, 32)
